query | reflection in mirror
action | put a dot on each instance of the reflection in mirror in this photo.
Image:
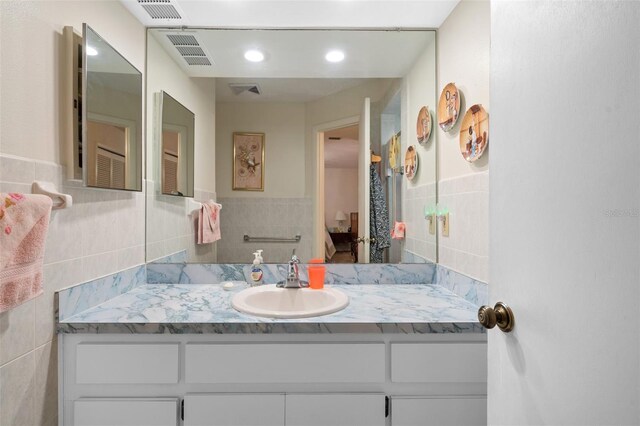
(112, 117)
(177, 133)
(309, 109)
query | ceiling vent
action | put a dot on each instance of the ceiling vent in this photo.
(160, 9)
(190, 49)
(238, 88)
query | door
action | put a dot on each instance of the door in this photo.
(364, 162)
(564, 203)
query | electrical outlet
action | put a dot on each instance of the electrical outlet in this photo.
(444, 218)
(432, 223)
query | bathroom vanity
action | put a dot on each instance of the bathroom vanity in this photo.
(179, 354)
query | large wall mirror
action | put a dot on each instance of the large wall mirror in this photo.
(330, 106)
(111, 117)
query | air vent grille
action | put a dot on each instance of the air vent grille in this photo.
(238, 88)
(183, 40)
(189, 48)
(160, 10)
(190, 51)
(197, 60)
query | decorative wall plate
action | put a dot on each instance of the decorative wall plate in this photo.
(474, 133)
(411, 162)
(394, 152)
(448, 107)
(424, 125)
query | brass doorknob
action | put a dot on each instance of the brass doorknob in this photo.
(500, 315)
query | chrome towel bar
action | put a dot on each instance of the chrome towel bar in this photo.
(248, 239)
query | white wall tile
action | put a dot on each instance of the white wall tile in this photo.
(56, 276)
(17, 392)
(17, 170)
(17, 331)
(465, 250)
(46, 384)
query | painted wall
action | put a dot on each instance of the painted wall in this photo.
(463, 187)
(340, 193)
(281, 210)
(284, 128)
(418, 89)
(104, 230)
(170, 227)
(565, 216)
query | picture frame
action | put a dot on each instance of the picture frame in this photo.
(248, 161)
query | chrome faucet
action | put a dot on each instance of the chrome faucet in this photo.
(293, 274)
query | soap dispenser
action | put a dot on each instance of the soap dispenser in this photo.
(256, 269)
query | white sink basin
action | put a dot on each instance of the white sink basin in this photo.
(273, 302)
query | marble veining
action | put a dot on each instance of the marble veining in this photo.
(206, 308)
(472, 290)
(73, 300)
(424, 273)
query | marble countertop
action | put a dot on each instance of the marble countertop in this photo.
(206, 308)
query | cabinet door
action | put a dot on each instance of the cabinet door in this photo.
(234, 410)
(464, 411)
(125, 412)
(335, 410)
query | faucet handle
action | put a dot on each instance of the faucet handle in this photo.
(294, 258)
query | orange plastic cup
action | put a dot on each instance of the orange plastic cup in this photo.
(316, 274)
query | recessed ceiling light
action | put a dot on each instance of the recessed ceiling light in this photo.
(334, 56)
(254, 56)
(91, 51)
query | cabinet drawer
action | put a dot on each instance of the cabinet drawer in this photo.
(285, 363)
(439, 362)
(125, 412)
(335, 410)
(125, 363)
(234, 410)
(438, 411)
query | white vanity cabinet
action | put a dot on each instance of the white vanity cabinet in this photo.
(439, 411)
(126, 411)
(331, 409)
(234, 409)
(282, 379)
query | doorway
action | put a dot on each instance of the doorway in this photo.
(341, 147)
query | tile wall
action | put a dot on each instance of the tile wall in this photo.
(418, 243)
(264, 217)
(466, 249)
(171, 227)
(101, 233)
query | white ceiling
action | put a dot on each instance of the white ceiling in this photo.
(300, 53)
(302, 13)
(284, 89)
(341, 153)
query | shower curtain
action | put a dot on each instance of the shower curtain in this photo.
(379, 219)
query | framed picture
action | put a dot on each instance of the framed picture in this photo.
(248, 161)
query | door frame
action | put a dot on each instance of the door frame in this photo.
(318, 214)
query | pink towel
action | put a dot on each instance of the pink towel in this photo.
(397, 233)
(209, 222)
(23, 231)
